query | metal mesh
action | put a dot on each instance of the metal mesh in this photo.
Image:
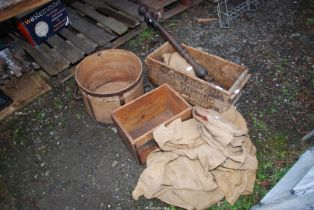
(226, 14)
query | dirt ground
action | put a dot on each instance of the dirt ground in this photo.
(54, 156)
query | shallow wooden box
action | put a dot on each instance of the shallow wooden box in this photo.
(137, 120)
(229, 78)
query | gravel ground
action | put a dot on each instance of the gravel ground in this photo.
(54, 156)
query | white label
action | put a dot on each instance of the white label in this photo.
(41, 29)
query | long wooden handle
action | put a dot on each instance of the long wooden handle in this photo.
(199, 70)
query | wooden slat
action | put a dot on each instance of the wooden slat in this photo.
(49, 59)
(112, 24)
(91, 31)
(132, 33)
(174, 11)
(11, 8)
(67, 49)
(19, 54)
(81, 42)
(125, 6)
(157, 4)
(178, 9)
(105, 9)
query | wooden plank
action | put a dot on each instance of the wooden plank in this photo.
(174, 11)
(121, 40)
(28, 88)
(112, 24)
(50, 60)
(81, 42)
(13, 8)
(56, 60)
(67, 49)
(126, 7)
(91, 31)
(6, 4)
(105, 9)
(157, 4)
(167, 8)
(19, 54)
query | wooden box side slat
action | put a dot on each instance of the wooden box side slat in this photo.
(235, 96)
(238, 81)
(144, 150)
(126, 138)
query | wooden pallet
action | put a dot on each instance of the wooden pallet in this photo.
(95, 24)
(165, 9)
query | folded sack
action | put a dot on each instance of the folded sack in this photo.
(200, 161)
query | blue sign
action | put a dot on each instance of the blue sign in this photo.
(44, 22)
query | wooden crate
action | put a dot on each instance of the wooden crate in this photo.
(229, 78)
(137, 120)
(165, 9)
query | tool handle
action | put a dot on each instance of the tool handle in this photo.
(199, 70)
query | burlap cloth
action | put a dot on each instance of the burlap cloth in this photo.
(200, 161)
(176, 62)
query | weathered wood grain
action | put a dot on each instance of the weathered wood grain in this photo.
(157, 4)
(81, 42)
(90, 30)
(66, 48)
(125, 6)
(114, 25)
(109, 11)
(49, 59)
(132, 33)
(11, 8)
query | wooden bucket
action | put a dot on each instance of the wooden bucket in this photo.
(107, 80)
